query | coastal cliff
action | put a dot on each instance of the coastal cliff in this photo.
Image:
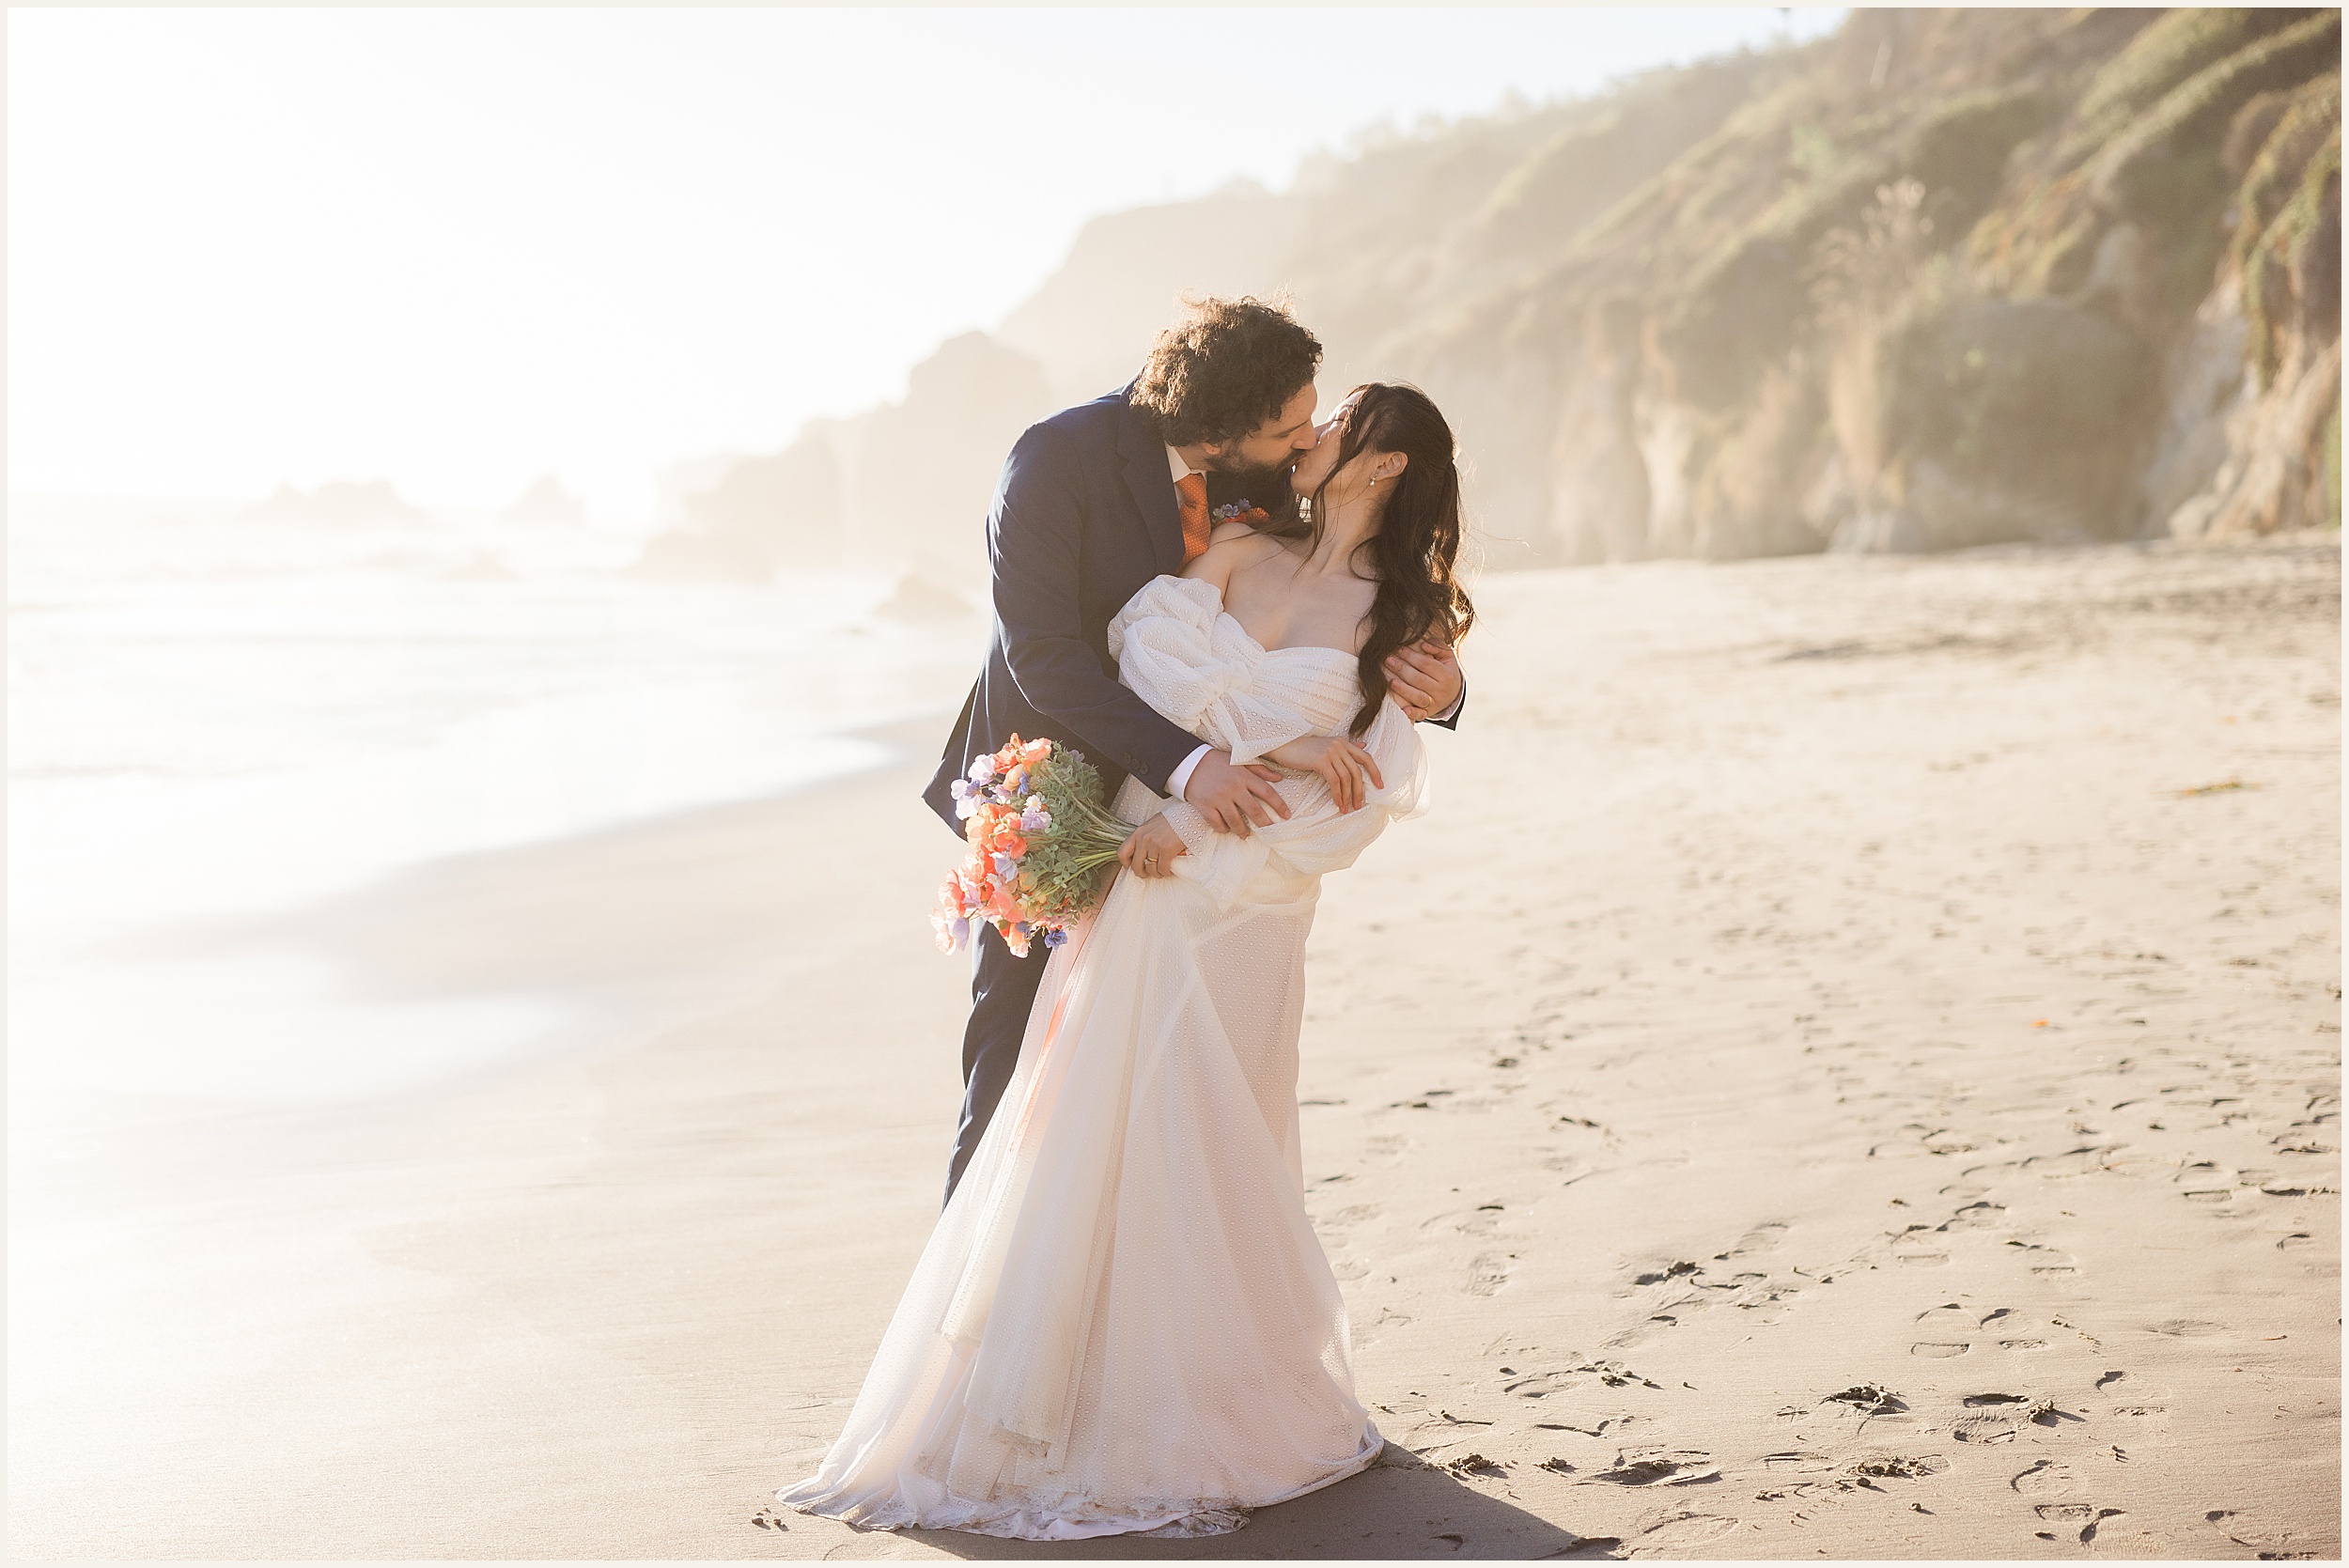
(1944, 278)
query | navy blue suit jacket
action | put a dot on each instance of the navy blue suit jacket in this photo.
(1084, 516)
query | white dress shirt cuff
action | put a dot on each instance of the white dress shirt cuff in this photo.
(1179, 779)
(1453, 707)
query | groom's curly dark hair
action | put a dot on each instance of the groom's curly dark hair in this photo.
(1224, 369)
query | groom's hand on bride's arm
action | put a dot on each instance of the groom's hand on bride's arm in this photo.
(1230, 798)
(1152, 849)
(1425, 679)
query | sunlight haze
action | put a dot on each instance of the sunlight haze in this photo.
(458, 250)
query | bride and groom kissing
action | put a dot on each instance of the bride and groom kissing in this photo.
(1123, 1321)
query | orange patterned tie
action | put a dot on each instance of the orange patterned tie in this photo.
(1192, 488)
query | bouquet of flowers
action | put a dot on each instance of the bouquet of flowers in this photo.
(1040, 835)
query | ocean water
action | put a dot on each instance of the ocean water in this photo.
(212, 717)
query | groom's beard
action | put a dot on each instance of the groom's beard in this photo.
(1261, 484)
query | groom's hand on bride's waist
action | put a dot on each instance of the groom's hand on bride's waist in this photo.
(1425, 679)
(1232, 797)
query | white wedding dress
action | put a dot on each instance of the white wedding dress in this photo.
(1124, 1320)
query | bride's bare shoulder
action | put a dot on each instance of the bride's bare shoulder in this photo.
(1233, 528)
(1226, 555)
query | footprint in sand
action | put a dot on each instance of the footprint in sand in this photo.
(1949, 1314)
(1938, 1350)
(2004, 1318)
(1476, 1222)
(1896, 1467)
(1985, 1428)
(1539, 1385)
(1921, 1260)
(1764, 1237)
(1487, 1274)
(2085, 1518)
(2272, 1544)
(2045, 1261)
(2048, 1477)
(1975, 1217)
(1680, 1533)
(2187, 1328)
(1685, 1467)
(2088, 1531)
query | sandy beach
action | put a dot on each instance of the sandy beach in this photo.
(1848, 1068)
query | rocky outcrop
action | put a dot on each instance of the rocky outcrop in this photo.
(339, 503)
(547, 504)
(2254, 440)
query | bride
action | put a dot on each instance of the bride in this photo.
(1123, 1321)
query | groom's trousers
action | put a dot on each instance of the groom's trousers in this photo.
(1002, 993)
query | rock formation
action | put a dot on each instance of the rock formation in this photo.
(547, 504)
(903, 486)
(339, 502)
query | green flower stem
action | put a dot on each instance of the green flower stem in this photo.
(1103, 819)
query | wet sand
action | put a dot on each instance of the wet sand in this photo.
(1849, 1066)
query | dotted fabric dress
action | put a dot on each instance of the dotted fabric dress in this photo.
(1123, 1321)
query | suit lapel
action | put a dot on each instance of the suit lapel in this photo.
(1145, 456)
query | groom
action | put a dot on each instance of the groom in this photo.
(1093, 503)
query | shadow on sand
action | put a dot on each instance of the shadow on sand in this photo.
(1400, 1508)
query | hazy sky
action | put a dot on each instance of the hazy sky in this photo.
(461, 248)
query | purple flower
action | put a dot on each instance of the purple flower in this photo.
(1005, 868)
(1056, 936)
(1036, 818)
(965, 806)
(982, 770)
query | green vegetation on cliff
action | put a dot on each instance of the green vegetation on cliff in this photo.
(1947, 277)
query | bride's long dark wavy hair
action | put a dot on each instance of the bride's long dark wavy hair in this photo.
(1418, 543)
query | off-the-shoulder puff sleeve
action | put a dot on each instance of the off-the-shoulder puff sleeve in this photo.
(1178, 650)
(1183, 656)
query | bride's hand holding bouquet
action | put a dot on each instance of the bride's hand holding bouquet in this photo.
(1041, 837)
